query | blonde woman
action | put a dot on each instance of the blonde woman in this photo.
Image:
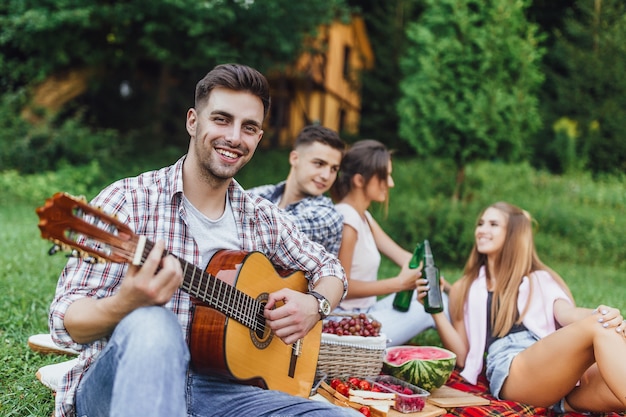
(365, 177)
(541, 349)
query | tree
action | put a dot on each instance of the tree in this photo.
(143, 56)
(470, 75)
(40, 37)
(386, 22)
(585, 84)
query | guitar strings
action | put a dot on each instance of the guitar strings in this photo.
(252, 314)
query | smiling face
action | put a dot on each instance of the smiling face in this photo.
(314, 167)
(491, 231)
(225, 132)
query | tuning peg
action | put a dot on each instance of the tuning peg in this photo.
(90, 259)
(54, 249)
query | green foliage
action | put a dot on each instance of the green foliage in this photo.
(142, 58)
(40, 37)
(85, 180)
(585, 83)
(52, 143)
(266, 167)
(565, 146)
(578, 218)
(386, 22)
(470, 77)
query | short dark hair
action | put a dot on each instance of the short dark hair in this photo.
(321, 134)
(234, 77)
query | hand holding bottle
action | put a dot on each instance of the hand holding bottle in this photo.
(402, 300)
(408, 277)
(433, 302)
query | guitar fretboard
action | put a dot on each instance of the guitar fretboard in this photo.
(217, 294)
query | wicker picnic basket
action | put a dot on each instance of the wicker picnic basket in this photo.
(351, 355)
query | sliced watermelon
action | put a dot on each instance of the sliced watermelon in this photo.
(428, 367)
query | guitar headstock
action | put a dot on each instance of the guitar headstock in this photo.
(63, 220)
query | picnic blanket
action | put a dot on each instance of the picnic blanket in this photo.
(502, 408)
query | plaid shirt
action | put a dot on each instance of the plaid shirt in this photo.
(315, 216)
(151, 205)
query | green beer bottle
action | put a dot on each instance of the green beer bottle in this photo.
(433, 303)
(402, 300)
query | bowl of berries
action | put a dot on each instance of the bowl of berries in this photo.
(352, 325)
(352, 344)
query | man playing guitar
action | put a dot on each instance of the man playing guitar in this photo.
(133, 322)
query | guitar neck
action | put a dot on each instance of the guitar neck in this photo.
(216, 293)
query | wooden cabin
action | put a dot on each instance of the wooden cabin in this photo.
(322, 86)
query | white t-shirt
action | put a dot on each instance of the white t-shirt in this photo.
(212, 235)
(366, 258)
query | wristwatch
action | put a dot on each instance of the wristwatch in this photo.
(324, 305)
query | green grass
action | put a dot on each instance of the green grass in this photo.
(27, 281)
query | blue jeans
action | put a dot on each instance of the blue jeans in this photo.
(140, 372)
(212, 396)
(500, 355)
(143, 371)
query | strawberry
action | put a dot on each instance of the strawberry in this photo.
(364, 385)
(365, 410)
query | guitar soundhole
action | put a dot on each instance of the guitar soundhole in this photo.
(261, 334)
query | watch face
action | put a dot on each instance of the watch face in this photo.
(325, 307)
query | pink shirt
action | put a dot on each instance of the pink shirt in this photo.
(539, 318)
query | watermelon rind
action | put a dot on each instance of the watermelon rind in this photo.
(425, 373)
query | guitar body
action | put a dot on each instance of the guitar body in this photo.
(251, 353)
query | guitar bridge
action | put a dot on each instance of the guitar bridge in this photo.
(297, 348)
(296, 351)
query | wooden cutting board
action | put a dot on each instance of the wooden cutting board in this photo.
(440, 399)
(449, 397)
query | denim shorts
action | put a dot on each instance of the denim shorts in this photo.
(501, 354)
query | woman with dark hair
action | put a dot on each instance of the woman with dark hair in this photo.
(365, 177)
(540, 348)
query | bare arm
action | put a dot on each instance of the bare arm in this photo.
(89, 319)
(566, 313)
(387, 246)
(453, 335)
(292, 314)
(358, 289)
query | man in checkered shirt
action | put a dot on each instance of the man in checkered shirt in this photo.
(314, 162)
(131, 323)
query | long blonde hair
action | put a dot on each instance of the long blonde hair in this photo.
(517, 259)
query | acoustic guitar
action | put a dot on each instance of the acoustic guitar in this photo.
(228, 333)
